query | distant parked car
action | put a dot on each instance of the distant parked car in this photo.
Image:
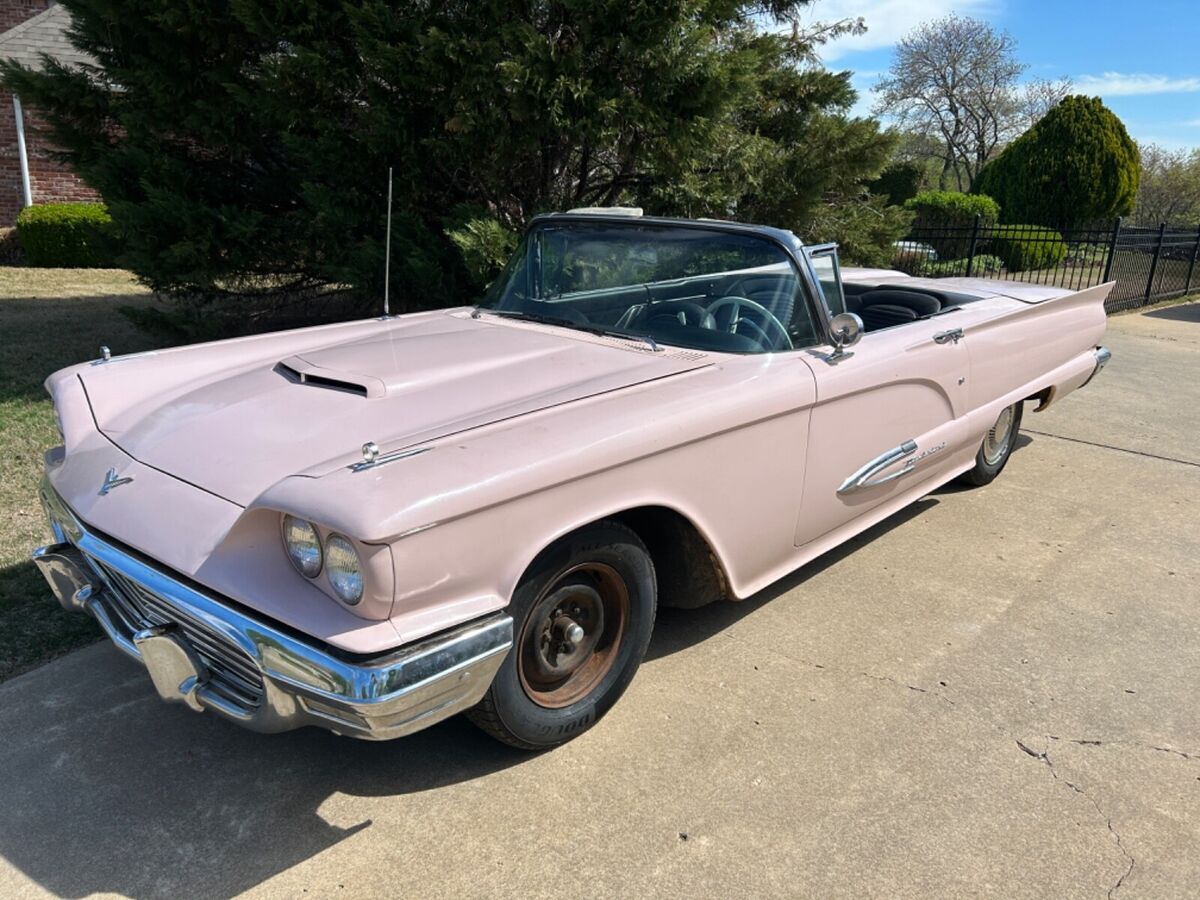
(374, 525)
(915, 250)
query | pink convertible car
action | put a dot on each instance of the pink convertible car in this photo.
(374, 525)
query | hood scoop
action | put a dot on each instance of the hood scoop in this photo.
(300, 371)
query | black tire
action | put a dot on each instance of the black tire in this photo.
(528, 705)
(995, 450)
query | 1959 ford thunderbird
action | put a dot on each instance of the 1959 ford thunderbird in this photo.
(373, 525)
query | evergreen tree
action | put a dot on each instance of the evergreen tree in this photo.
(242, 146)
(1077, 164)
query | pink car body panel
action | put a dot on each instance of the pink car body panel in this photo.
(529, 432)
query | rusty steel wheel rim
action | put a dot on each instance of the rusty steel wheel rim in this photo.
(573, 635)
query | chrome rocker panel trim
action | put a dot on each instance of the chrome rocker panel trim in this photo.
(383, 697)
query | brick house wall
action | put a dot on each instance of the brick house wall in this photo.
(14, 12)
(50, 181)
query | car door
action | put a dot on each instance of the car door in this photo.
(890, 412)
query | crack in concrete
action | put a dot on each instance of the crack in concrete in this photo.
(887, 679)
(1094, 742)
(1044, 756)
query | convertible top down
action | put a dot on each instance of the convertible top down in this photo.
(373, 525)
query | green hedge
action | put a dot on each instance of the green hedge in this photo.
(952, 207)
(984, 264)
(1026, 247)
(953, 211)
(66, 235)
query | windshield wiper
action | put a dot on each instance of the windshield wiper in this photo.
(576, 326)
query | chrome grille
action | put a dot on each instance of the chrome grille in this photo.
(232, 672)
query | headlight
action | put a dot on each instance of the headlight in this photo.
(303, 546)
(343, 569)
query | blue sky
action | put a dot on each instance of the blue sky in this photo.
(1142, 58)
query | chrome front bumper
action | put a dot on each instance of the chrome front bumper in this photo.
(206, 654)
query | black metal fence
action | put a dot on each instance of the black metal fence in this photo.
(1148, 264)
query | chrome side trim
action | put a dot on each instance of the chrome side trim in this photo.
(862, 478)
(304, 682)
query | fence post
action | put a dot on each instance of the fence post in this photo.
(974, 243)
(1162, 233)
(1112, 251)
(1192, 265)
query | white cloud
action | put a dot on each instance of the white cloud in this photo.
(1120, 84)
(863, 82)
(887, 20)
(1194, 123)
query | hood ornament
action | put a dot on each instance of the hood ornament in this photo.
(372, 457)
(111, 481)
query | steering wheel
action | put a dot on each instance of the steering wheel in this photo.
(736, 320)
(682, 312)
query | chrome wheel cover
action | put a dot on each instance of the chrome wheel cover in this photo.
(999, 436)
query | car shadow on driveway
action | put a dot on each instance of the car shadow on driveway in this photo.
(678, 629)
(104, 788)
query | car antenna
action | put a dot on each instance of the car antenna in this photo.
(387, 250)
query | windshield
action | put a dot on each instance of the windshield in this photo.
(691, 287)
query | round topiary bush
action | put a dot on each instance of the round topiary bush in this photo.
(66, 235)
(1023, 248)
(1077, 164)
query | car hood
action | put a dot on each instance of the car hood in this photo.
(234, 428)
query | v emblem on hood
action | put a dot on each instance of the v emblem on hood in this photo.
(111, 481)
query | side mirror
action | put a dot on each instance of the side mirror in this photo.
(846, 330)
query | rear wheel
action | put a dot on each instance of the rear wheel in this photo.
(996, 448)
(582, 617)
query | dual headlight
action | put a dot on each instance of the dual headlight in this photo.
(335, 555)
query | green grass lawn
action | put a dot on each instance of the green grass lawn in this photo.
(49, 318)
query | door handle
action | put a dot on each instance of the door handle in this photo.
(864, 477)
(946, 337)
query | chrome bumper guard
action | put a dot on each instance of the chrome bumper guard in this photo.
(209, 656)
(1102, 355)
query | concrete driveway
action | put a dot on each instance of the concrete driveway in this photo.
(994, 693)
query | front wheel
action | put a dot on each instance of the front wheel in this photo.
(582, 617)
(996, 448)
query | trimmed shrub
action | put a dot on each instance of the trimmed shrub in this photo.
(66, 235)
(1023, 248)
(1077, 164)
(952, 208)
(953, 211)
